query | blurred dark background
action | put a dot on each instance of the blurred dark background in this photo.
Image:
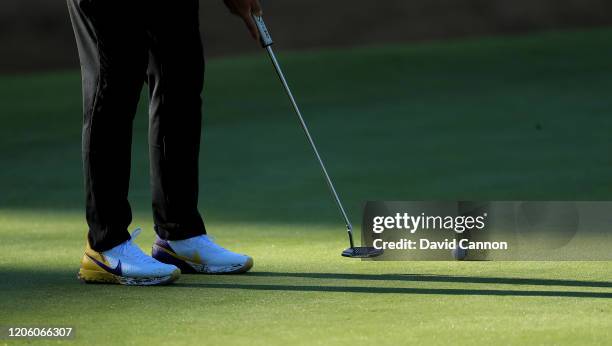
(36, 34)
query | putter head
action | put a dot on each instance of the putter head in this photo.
(362, 252)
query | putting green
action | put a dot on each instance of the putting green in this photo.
(512, 118)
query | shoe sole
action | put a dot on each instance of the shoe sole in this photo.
(165, 256)
(99, 277)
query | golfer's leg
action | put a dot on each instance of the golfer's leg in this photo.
(176, 72)
(113, 54)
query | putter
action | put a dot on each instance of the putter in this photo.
(353, 251)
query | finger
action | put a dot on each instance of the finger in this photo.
(250, 23)
(256, 9)
(230, 5)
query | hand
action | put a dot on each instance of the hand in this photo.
(244, 9)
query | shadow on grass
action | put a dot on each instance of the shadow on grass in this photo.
(440, 278)
(418, 278)
(23, 281)
(401, 290)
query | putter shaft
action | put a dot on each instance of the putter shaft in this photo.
(332, 189)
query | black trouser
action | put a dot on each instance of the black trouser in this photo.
(121, 44)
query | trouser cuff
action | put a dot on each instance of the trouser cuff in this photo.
(179, 233)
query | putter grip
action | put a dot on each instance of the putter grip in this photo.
(264, 34)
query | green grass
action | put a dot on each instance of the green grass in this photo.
(449, 120)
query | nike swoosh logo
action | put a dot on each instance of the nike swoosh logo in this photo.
(117, 271)
(193, 259)
(196, 257)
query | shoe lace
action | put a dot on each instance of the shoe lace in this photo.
(131, 250)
